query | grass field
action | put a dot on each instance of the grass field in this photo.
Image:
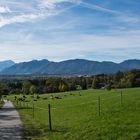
(76, 115)
(1, 104)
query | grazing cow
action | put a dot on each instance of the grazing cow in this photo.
(24, 96)
(21, 99)
(38, 97)
(56, 97)
(15, 98)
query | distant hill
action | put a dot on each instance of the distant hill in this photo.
(6, 64)
(70, 67)
(130, 64)
(30, 67)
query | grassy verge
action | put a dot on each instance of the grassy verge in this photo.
(1, 104)
(75, 116)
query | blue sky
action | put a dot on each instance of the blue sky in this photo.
(101, 30)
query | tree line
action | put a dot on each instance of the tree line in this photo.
(41, 85)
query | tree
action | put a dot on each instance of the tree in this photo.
(3, 90)
(96, 83)
(118, 76)
(26, 87)
(33, 89)
(52, 85)
(83, 84)
(108, 87)
(63, 87)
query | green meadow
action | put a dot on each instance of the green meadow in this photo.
(1, 104)
(80, 115)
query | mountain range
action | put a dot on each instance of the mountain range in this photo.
(68, 67)
(6, 64)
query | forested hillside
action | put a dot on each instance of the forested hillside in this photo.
(40, 85)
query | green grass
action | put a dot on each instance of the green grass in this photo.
(1, 104)
(75, 117)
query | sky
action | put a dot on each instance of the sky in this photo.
(57, 30)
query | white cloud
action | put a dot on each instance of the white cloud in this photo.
(46, 8)
(18, 19)
(63, 40)
(118, 47)
(50, 4)
(4, 9)
(97, 7)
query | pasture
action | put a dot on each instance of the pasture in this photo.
(80, 115)
(1, 104)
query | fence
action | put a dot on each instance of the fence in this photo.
(60, 118)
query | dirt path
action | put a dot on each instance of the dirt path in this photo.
(10, 124)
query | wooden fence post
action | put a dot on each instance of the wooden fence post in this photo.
(20, 104)
(33, 110)
(50, 119)
(27, 105)
(17, 102)
(121, 98)
(99, 105)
